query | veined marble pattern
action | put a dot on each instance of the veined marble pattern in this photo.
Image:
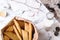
(54, 6)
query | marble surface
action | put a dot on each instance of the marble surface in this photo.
(32, 10)
(53, 4)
